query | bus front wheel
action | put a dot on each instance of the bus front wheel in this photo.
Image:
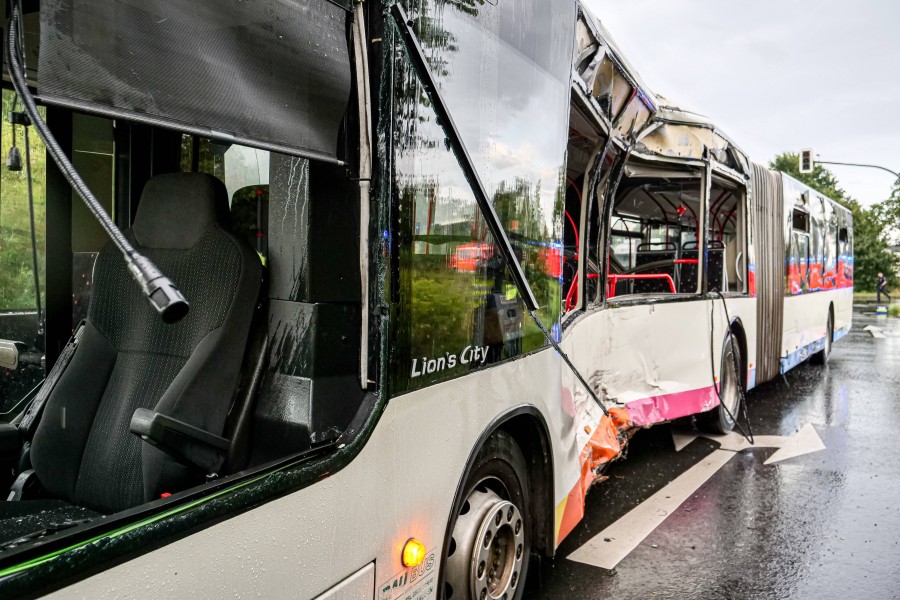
(490, 540)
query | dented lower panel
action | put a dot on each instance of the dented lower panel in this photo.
(667, 407)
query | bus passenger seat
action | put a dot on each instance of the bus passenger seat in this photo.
(687, 281)
(649, 253)
(131, 368)
(715, 278)
(688, 272)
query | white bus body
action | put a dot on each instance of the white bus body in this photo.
(704, 264)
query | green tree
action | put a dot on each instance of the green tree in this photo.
(871, 227)
(16, 268)
(890, 213)
(871, 252)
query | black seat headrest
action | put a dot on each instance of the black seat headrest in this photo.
(176, 209)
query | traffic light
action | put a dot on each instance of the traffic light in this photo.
(806, 161)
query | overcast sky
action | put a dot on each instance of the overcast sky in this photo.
(778, 75)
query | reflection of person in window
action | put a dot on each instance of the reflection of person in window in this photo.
(882, 288)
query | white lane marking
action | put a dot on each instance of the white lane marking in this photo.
(629, 531)
(876, 332)
(625, 534)
(682, 439)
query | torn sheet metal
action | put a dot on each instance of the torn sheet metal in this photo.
(626, 105)
(684, 134)
(636, 116)
(602, 34)
(661, 127)
(606, 443)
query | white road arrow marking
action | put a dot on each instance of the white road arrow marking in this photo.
(877, 332)
(610, 546)
(625, 534)
(805, 441)
(682, 439)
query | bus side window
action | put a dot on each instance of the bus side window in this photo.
(798, 274)
(457, 308)
(728, 243)
(831, 255)
(842, 243)
(653, 235)
(820, 251)
(18, 300)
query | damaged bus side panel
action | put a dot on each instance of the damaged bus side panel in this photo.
(691, 253)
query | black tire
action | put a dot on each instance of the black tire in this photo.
(720, 420)
(821, 357)
(499, 470)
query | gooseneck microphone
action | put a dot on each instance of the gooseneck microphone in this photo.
(163, 295)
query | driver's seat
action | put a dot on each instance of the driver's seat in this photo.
(83, 451)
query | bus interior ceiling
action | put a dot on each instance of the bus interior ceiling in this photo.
(299, 385)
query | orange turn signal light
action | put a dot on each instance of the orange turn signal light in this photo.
(413, 553)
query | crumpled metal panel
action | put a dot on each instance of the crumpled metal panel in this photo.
(584, 38)
(614, 87)
(606, 443)
(680, 141)
(681, 133)
(660, 127)
(603, 34)
(635, 117)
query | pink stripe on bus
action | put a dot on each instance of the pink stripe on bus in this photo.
(666, 407)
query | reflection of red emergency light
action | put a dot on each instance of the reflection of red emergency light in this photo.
(551, 261)
(466, 256)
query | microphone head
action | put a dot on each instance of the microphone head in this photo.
(159, 289)
(168, 301)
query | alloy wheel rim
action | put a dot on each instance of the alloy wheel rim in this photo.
(488, 547)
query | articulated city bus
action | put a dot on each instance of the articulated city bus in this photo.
(408, 277)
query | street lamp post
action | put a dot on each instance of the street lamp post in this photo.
(844, 164)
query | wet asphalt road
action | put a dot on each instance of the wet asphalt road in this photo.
(821, 525)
